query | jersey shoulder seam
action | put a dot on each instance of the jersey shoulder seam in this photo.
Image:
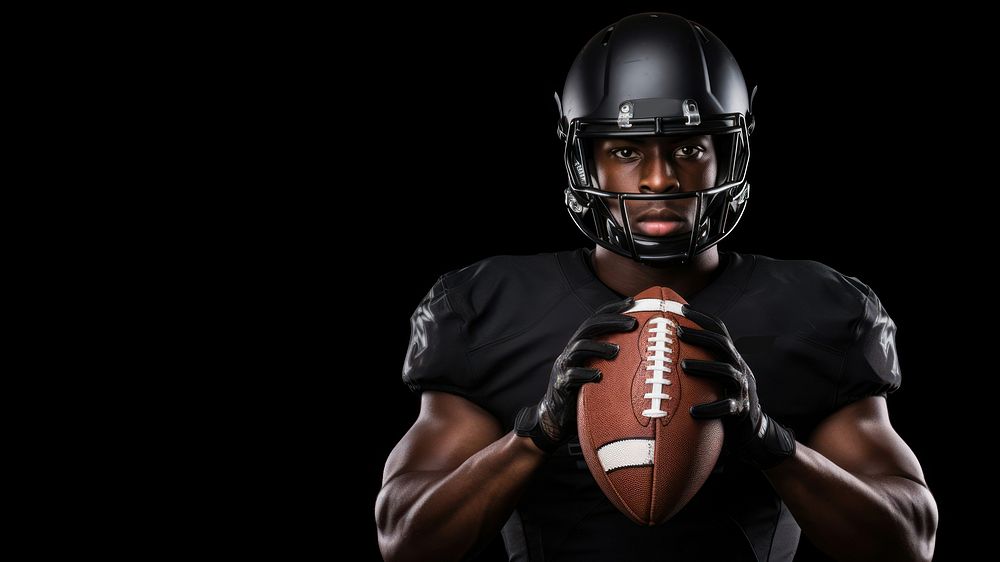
(742, 289)
(537, 320)
(463, 334)
(856, 336)
(570, 289)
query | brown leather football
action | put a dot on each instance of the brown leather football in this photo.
(642, 445)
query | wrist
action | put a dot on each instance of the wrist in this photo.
(775, 444)
(528, 425)
(526, 445)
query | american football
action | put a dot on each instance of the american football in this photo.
(647, 453)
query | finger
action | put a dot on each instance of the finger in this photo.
(616, 306)
(577, 376)
(713, 410)
(582, 350)
(705, 320)
(714, 370)
(606, 324)
(716, 343)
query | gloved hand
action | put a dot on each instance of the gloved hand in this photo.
(749, 433)
(553, 420)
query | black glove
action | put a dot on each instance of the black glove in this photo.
(553, 420)
(750, 434)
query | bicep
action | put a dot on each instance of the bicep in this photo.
(449, 430)
(860, 439)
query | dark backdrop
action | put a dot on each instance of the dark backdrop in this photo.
(852, 124)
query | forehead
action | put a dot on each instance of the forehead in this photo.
(662, 139)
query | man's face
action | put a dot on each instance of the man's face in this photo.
(656, 165)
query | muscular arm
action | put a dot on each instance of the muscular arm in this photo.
(451, 482)
(857, 490)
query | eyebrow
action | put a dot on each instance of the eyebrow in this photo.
(672, 139)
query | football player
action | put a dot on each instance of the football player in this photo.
(656, 119)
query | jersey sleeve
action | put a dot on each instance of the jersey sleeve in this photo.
(436, 356)
(871, 367)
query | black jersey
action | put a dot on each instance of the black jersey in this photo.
(815, 339)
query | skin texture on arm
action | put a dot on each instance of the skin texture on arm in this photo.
(451, 482)
(857, 490)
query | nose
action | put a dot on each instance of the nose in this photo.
(658, 176)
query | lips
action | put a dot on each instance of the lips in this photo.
(659, 222)
(658, 215)
(658, 228)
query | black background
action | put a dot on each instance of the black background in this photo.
(854, 130)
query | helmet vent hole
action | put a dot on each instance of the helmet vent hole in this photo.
(607, 36)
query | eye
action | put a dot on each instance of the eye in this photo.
(689, 152)
(624, 153)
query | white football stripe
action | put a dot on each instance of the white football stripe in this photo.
(627, 452)
(656, 305)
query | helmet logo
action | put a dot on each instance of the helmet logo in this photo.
(691, 114)
(624, 115)
(580, 171)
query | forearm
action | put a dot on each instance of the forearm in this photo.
(442, 515)
(856, 517)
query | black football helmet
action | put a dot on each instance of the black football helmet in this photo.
(656, 74)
